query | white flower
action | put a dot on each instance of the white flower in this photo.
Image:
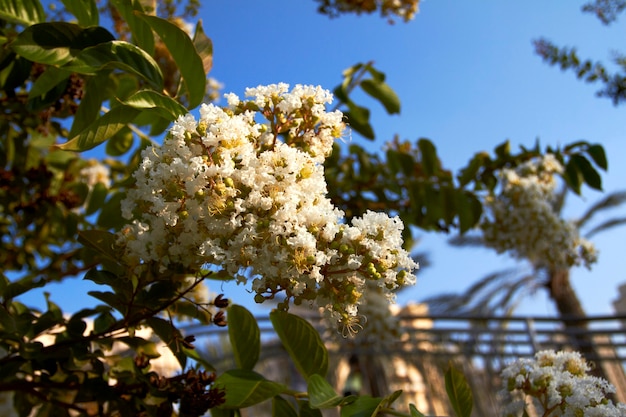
(522, 218)
(557, 383)
(243, 189)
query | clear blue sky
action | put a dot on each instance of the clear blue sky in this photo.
(468, 79)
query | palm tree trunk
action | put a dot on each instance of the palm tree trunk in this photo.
(573, 316)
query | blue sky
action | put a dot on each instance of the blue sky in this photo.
(468, 79)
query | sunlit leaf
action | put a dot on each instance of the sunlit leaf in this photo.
(204, 46)
(321, 393)
(245, 388)
(185, 56)
(118, 54)
(302, 342)
(101, 129)
(141, 31)
(382, 92)
(167, 107)
(85, 11)
(245, 336)
(97, 90)
(22, 12)
(414, 412)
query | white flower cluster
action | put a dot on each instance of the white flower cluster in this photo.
(381, 329)
(522, 218)
(243, 189)
(558, 384)
(95, 172)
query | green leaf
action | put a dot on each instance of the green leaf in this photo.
(428, 152)
(306, 410)
(57, 43)
(85, 11)
(321, 393)
(97, 90)
(111, 213)
(245, 388)
(572, 176)
(245, 336)
(459, 392)
(204, 46)
(167, 107)
(596, 152)
(50, 78)
(141, 31)
(101, 241)
(118, 54)
(469, 210)
(282, 408)
(414, 412)
(589, 173)
(363, 406)
(382, 92)
(22, 12)
(302, 342)
(185, 56)
(120, 143)
(101, 129)
(358, 119)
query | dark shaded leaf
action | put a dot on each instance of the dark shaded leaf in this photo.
(57, 43)
(382, 92)
(282, 408)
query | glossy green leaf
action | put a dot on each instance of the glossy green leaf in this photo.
(245, 336)
(596, 152)
(140, 30)
(321, 393)
(85, 11)
(245, 388)
(414, 412)
(185, 56)
(459, 392)
(589, 174)
(57, 43)
(118, 54)
(363, 406)
(50, 78)
(282, 408)
(382, 92)
(22, 12)
(101, 129)
(166, 106)
(204, 46)
(302, 342)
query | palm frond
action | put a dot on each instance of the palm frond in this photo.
(609, 224)
(612, 200)
(467, 241)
